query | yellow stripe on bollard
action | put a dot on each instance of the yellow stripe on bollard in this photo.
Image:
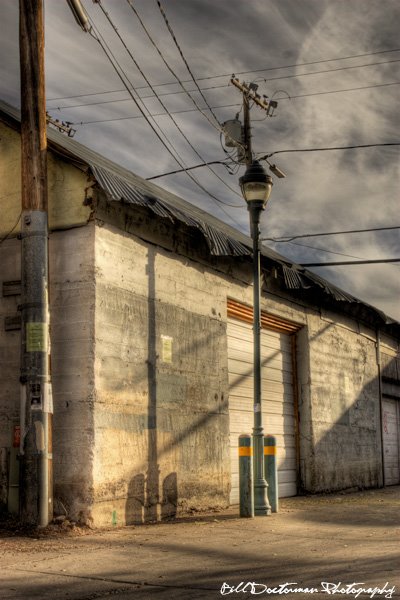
(271, 471)
(269, 450)
(245, 451)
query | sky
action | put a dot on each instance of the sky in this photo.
(312, 56)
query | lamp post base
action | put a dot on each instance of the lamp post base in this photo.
(261, 504)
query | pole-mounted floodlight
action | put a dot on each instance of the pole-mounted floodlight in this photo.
(255, 184)
(277, 171)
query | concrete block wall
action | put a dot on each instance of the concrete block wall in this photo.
(72, 325)
(147, 292)
(162, 393)
(10, 270)
(161, 412)
(139, 361)
(72, 300)
(140, 383)
(340, 433)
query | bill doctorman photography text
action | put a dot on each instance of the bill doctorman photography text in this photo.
(351, 589)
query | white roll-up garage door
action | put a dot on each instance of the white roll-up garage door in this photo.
(277, 399)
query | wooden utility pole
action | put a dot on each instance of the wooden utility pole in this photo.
(33, 106)
(249, 93)
(36, 506)
(248, 154)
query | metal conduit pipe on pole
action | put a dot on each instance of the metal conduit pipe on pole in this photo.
(36, 506)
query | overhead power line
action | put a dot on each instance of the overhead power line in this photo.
(200, 90)
(355, 89)
(213, 162)
(219, 127)
(355, 146)
(145, 97)
(106, 14)
(162, 11)
(385, 62)
(3, 239)
(319, 249)
(352, 262)
(287, 238)
(286, 97)
(314, 62)
(188, 110)
(173, 73)
(265, 69)
(124, 79)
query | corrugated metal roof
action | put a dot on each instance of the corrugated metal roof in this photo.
(296, 279)
(119, 189)
(293, 279)
(331, 289)
(124, 186)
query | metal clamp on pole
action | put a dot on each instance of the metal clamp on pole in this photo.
(246, 493)
(271, 471)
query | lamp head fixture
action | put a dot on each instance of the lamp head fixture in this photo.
(255, 184)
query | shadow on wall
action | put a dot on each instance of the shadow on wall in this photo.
(141, 508)
(340, 431)
(340, 440)
(145, 502)
(351, 449)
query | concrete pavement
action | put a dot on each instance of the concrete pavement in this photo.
(313, 544)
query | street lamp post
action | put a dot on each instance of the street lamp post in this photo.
(256, 188)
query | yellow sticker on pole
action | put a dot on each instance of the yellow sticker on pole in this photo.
(36, 337)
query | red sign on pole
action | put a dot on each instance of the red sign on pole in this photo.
(17, 436)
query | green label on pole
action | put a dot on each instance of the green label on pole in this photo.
(36, 337)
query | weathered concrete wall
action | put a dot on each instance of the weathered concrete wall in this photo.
(72, 298)
(72, 332)
(161, 416)
(139, 362)
(159, 289)
(156, 284)
(340, 433)
(9, 364)
(69, 190)
(72, 308)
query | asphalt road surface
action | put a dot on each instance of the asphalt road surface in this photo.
(339, 546)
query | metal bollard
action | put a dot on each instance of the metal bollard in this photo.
(246, 492)
(271, 471)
